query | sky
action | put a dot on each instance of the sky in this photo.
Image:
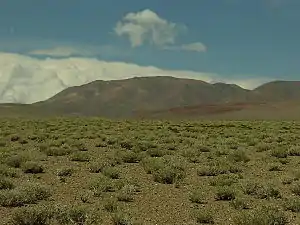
(231, 38)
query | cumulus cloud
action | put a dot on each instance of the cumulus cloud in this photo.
(195, 47)
(147, 26)
(25, 79)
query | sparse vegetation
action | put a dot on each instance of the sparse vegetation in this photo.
(153, 172)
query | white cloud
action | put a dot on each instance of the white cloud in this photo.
(25, 79)
(64, 51)
(146, 26)
(57, 48)
(193, 47)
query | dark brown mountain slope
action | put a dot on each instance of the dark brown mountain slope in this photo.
(278, 91)
(125, 97)
(168, 97)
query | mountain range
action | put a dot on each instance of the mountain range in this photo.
(168, 97)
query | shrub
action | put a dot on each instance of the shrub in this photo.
(296, 189)
(294, 151)
(292, 204)
(261, 191)
(5, 184)
(219, 166)
(240, 203)
(279, 153)
(155, 152)
(37, 215)
(15, 138)
(120, 218)
(65, 172)
(126, 194)
(15, 161)
(35, 192)
(111, 205)
(262, 147)
(126, 144)
(198, 196)
(12, 198)
(262, 216)
(204, 216)
(212, 171)
(56, 151)
(224, 180)
(203, 148)
(76, 215)
(111, 172)
(167, 170)
(275, 167)
(79, 146)
(130, 157)
(192, 155)
(98, 166)
(32, 167)
(104, 184)
(239, 156)
(23, 141)
(225, 194)
(287, 180)
(28, 194)
(85, 196)
(80, 157)
(8, 172)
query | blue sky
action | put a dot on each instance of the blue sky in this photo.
(249, 38)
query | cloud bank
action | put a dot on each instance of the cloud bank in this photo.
(147, 27)
(24, 79)
(64, 51)
(193, 47)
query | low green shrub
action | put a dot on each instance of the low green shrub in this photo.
(198, 196)
(27, 194)
(111, 205)
(126, 194)
(240, 203)
(204, 216)
(65, 172)
(225, 194)
(80, 157)
(167, 170)
(262, 216)
(120, 218)
(279, 153)
(6, 184)
(261, 191)
(32, 167)
(111, 172)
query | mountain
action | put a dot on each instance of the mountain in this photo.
(131, 96)
(278, 90)
(170, 97)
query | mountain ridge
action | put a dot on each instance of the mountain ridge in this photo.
(163, 96)
(134, 96)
